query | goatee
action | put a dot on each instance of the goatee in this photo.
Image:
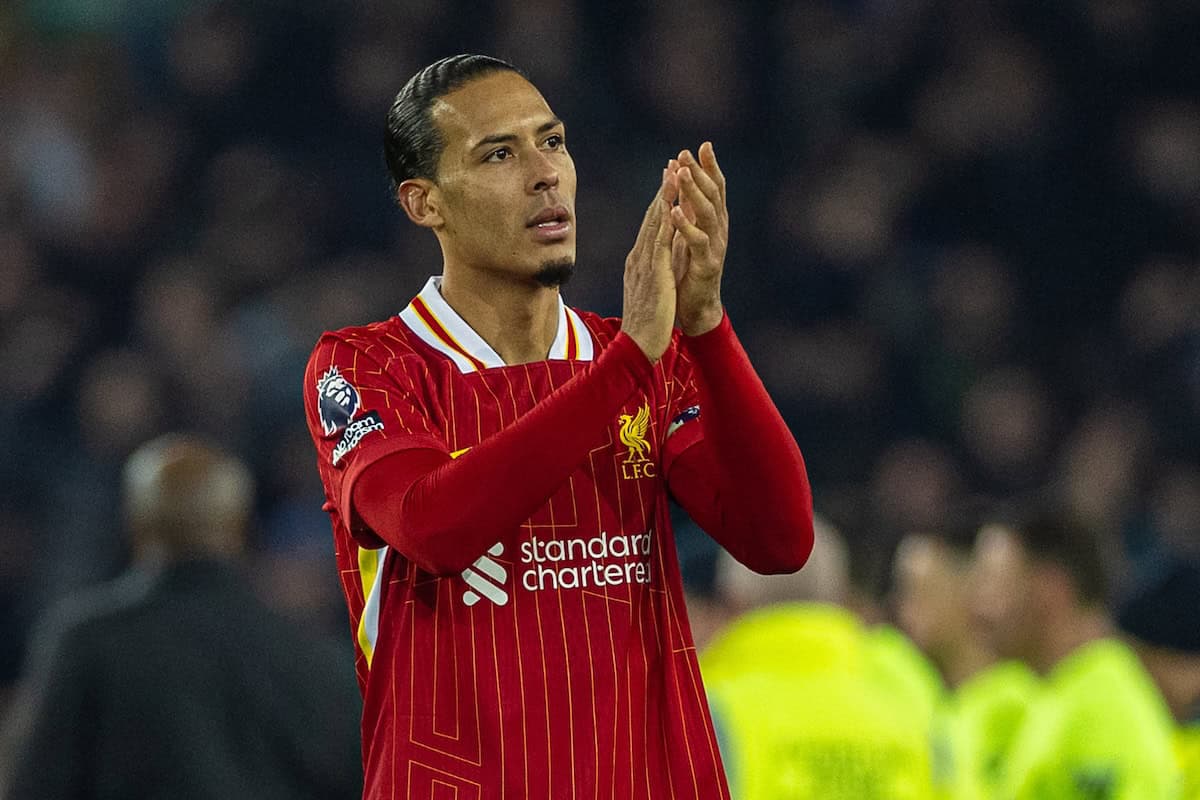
(554, 274)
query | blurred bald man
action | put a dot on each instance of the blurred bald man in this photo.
(175, 680)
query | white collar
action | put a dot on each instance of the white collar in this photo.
(432, 319)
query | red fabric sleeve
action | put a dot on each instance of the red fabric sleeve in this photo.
(363, 402)
(743, 480)
(443, 513)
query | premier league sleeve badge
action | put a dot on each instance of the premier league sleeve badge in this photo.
(337, 401)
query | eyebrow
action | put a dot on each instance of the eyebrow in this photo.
(502, 138)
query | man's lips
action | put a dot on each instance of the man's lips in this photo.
(551, 224)
(549, 216)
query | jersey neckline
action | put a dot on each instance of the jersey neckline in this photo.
(434, 322)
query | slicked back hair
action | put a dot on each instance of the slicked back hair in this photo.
(412, 143)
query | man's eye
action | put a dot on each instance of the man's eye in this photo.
(554, 142)
(499, 154)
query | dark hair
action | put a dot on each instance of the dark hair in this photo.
(1159, 607)
(1050, 535)
(959, 526)
(412, 142)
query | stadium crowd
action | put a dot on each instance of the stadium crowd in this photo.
(965, 255)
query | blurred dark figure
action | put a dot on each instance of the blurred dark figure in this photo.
(175, 680)
(1159, 614)
(1099, 726)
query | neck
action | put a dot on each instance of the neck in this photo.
(1182, 693)
(1178, 676)
(1067, 634)
(961, 660)
(519, 319)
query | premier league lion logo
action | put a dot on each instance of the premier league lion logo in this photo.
(337, 401)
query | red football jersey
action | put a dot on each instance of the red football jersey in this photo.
(560, 664)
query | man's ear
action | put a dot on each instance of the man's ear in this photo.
(421, 200)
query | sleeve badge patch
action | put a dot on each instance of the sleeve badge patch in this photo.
(685, 416)
(337, 401)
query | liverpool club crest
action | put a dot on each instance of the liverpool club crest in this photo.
(637, 463)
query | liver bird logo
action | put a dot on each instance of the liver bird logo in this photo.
(633, 434)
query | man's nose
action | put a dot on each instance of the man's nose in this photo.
(543, 175)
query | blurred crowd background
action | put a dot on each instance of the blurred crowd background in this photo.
(965, 249)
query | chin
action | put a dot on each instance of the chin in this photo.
(553, 273)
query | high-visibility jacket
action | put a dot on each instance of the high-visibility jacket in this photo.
(806, 707)
(1098, 730)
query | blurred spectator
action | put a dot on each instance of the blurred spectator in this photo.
(806, 701)
(1099, 727)
(120, 403)
(976, 301)
(1159, 615)
(174, 681)
(1161, 304)
(44, 335)
(1166, 153)
(986, 700)
(1102, 465)
(914, 484)
(848, 215)
(932, 602)
(1006, 420)
(1175, 507)
(212, 50)
(695, 93)
(993, 96)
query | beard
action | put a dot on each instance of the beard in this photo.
(554, 274)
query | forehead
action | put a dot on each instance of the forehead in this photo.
(915, 551)
(498, 103)
(921, 557)
(999, 546)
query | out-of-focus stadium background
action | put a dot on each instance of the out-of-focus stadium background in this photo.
(965, 253)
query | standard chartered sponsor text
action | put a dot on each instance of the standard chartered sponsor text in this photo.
(555, 563)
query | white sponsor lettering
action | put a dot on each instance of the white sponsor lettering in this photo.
(555, 564)
(354, 434)
(547, 570)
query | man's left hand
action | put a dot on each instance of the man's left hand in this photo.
(701, 238)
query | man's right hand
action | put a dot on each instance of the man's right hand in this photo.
(649, 313)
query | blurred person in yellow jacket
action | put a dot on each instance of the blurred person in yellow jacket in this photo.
(1097, 729)
(807, 702)
(983, 700)
(1161, 616)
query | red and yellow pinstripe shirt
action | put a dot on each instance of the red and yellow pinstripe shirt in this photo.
(560, 664)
